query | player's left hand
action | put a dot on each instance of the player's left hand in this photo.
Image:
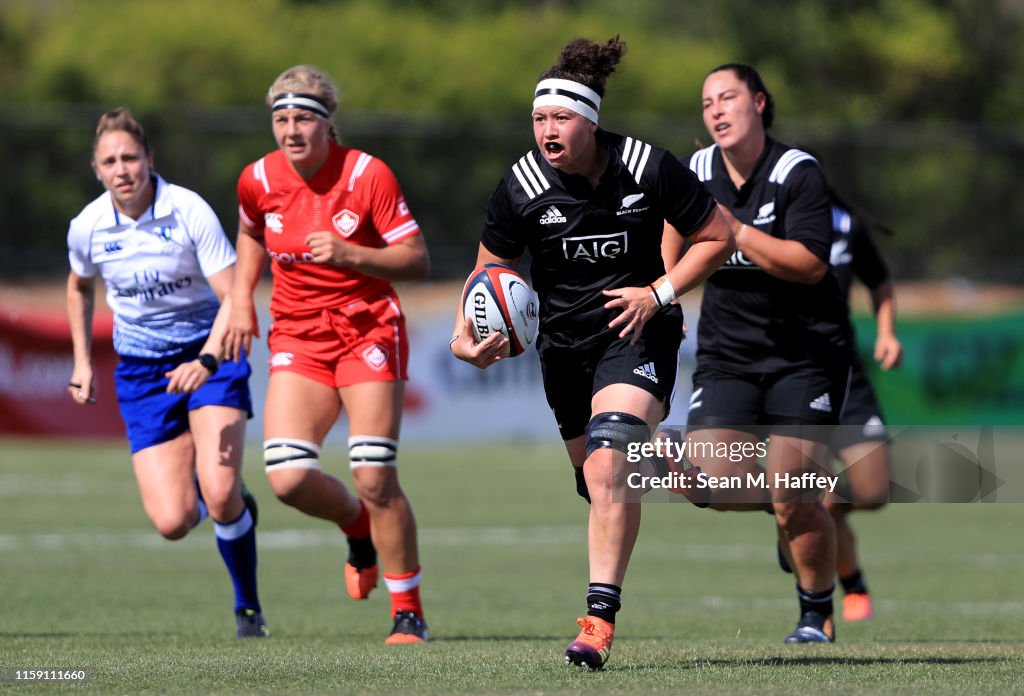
(328, 247)
(888, 351)
(482, 354)
(186, 377)
(80, 387)
(637, 304)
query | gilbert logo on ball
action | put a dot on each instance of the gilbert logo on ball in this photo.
(497, 299)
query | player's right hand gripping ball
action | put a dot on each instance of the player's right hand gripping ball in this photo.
(497, 299)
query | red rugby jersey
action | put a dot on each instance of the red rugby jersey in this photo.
(354, 195)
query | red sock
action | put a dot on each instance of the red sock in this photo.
(360, 528)
(405, 592)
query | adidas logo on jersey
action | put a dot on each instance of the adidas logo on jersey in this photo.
(646, 370)
(822, 403)
(551, 216)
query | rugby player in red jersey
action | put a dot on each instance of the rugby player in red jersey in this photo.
(337, 230)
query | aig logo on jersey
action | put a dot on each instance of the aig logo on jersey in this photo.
(596, 247)
(738, 260)
(345, 222)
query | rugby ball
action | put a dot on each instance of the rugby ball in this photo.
(497, 299)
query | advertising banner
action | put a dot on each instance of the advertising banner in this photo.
(35, 364)
(966, 371)
(963, 370)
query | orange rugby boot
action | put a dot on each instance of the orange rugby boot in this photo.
(593, 645)
(857, 607)
(360, 581)
(360, 567)
(409, 628)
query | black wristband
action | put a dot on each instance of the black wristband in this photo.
(209, 361)
(655, 293)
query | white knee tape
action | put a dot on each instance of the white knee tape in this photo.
(286, 453)
(369, 450)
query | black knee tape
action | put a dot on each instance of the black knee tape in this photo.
(613, 430)
(581, 484)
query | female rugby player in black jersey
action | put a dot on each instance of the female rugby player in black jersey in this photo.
(592, 207)
(774, 342)
(861, 440)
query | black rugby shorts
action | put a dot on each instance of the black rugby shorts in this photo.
(764, 404)
(572, 376)
(861, 419)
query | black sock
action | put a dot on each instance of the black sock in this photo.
(603, 601)
(815, 602)
(581, 484)
(361, 552)
(854, 583)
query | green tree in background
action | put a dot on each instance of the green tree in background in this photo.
(914, 105)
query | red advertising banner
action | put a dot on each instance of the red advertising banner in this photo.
(35, 365)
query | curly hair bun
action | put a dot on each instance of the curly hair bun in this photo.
(587, 62)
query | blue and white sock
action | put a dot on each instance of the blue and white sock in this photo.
(203, 514)
(237, 544)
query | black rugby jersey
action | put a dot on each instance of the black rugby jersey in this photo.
(750, 321)
(854, 254)
(584, 240)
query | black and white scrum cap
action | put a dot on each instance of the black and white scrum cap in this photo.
(572, 95)
(299, 100)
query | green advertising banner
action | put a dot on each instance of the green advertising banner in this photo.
(960, 370)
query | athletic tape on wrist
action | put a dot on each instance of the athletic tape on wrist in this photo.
(664, 292)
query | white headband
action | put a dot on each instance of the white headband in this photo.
(299, 100)
(571, 95)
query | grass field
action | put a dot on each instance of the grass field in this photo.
(87, 584)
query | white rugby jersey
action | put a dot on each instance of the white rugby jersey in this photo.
(155, 268)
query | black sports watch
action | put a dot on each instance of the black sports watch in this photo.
(209, 361)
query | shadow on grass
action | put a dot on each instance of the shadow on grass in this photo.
(536, 637)
(640, 668)
(952, 641)
(849, 661)
(292, 636)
